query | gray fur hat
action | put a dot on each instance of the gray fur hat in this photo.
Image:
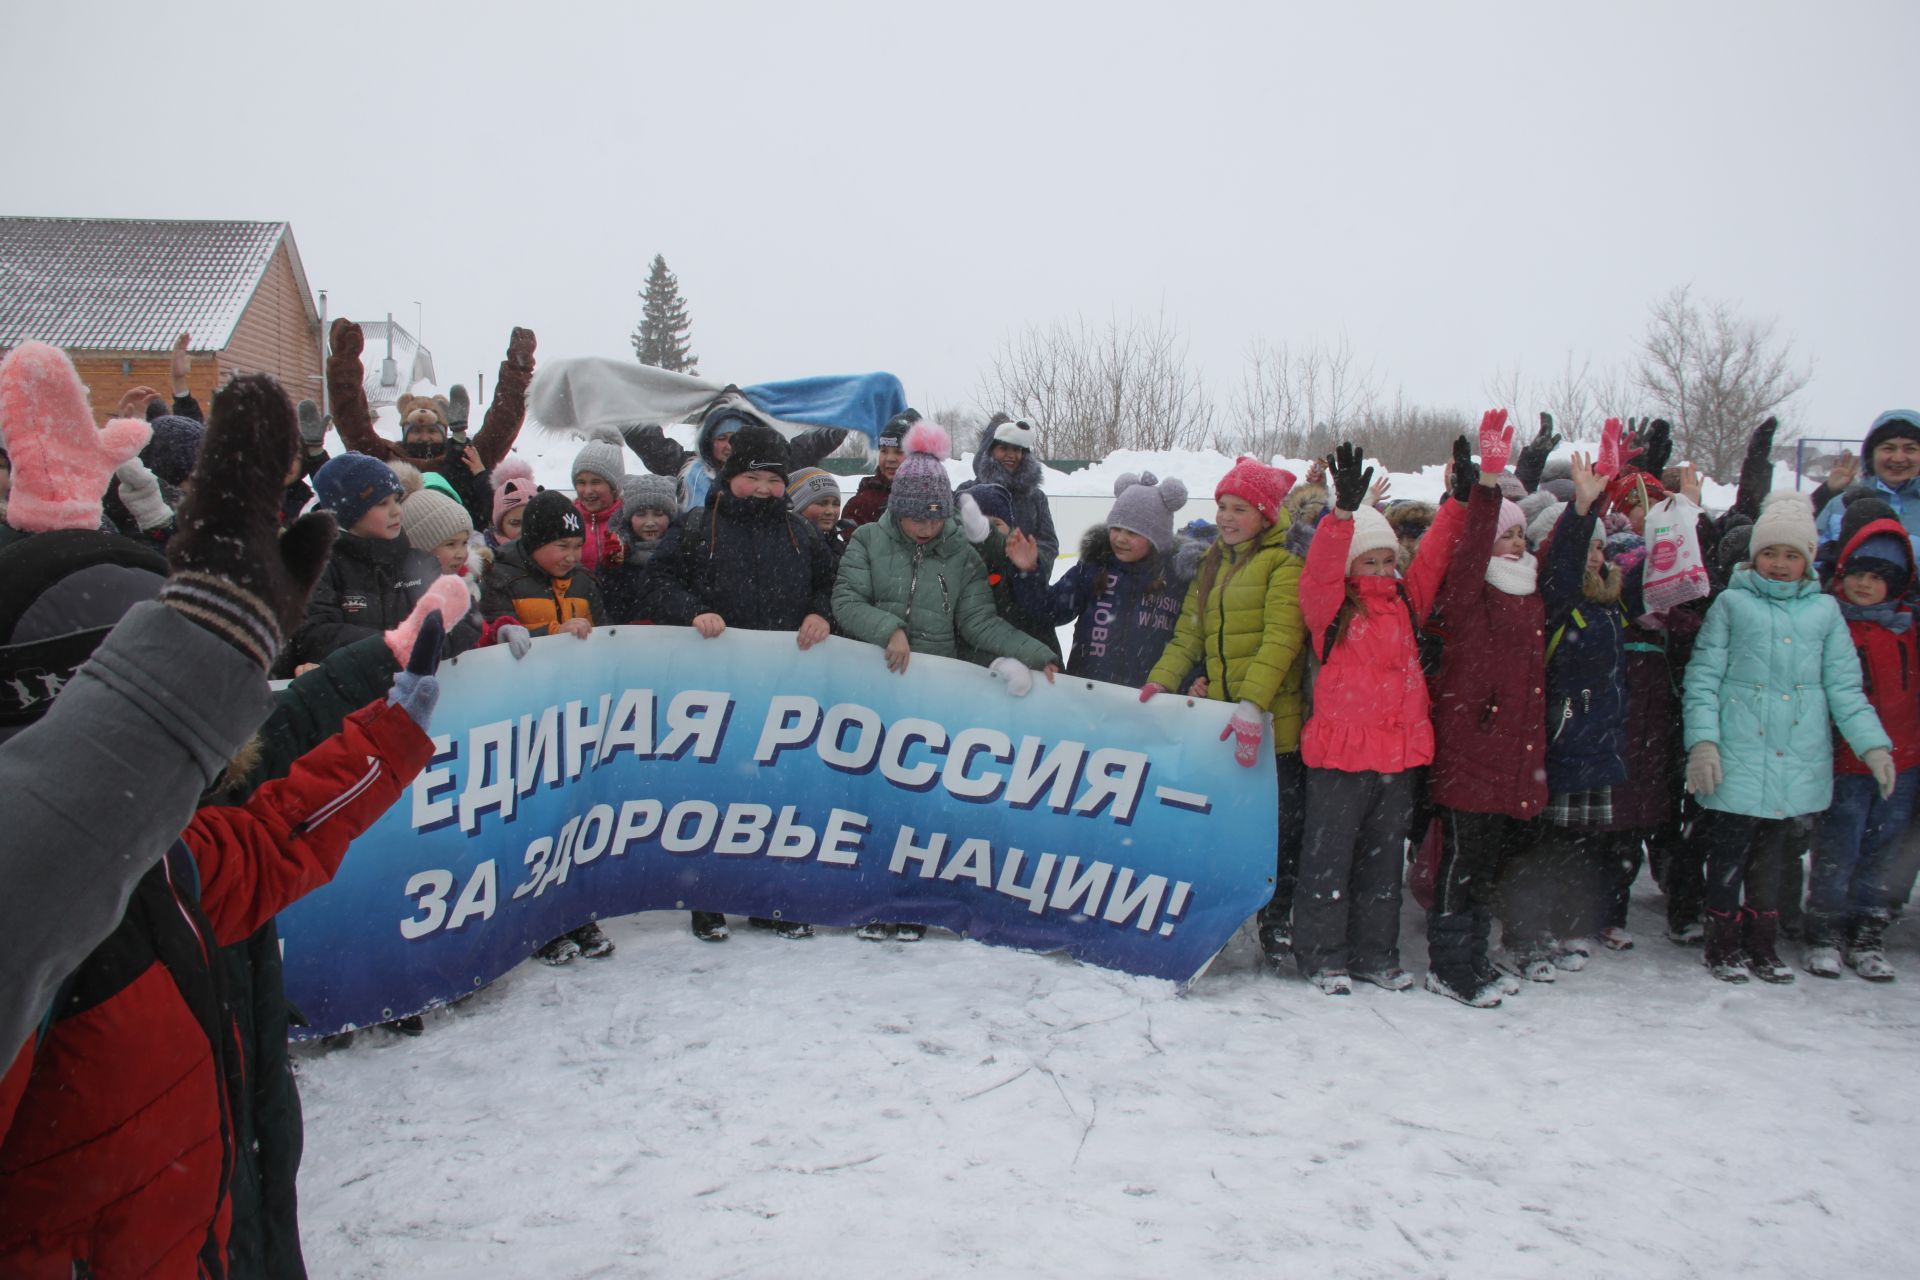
(1144, 504)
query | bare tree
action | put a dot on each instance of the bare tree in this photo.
(1407, 437)
(1089, 391)
(1297, 403)
(1715, 374)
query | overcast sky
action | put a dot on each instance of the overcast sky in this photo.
(1454, 188)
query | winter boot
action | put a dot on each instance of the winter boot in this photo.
(1723, 956)
(562, 950)
(1476, 996)
(875, 931)
(1762, 930)
(1615, 938)
(1864, 954)
(1392, 978)
(1691, 933)
(1333, 982)
(593, 944)
(793, 929)
(710, 926)
(1822, 960)
(1570, 954)
(1276, 939)
(909, 932)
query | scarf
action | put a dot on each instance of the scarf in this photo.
(1514, 577)
(1887, 613)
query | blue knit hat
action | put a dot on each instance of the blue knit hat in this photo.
(175, 445)
(994, 500)
(352, 484)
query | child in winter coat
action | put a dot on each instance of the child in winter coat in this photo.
(1125, 592)
(1006, 457)
(513, 489)
(987, 516)
(869, 501)
(1558, 895)
(1850, 895)
(375, 575)
(536, 587)
(1370, 730)
(1242, 619)
(652, 510)
(910, 583)
(744, 560)
(814, 495)
(1773, 662)
(597, 473)
(1488, 782)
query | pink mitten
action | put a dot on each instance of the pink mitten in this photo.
(447, 594)
(61, 462)
(1246, 729)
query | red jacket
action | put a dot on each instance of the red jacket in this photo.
(1889, 669)
(869, 501)
(114, 1121)
(1371, 712)
(603, 543)
(1490, 711)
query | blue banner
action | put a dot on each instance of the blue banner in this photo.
(647, 769)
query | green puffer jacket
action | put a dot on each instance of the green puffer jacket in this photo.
(1773, 660)
(1242, 618)
(938, 592)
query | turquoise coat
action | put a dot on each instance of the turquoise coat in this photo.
(1774, 660)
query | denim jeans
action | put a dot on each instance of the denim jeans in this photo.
(1853, 854)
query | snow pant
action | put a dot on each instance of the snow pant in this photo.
(1292, 777)
(1474, 848)
(1748, 855)
(1571, 884)
(1680, 866)
(1855, 845)
(1346, 912)
(1905, 870)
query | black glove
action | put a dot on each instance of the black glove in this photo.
(1466, 473)
(1756, 469)
(233, 572)
(416, 690)
(1350, 483)
(313, 428)
(1647, 444)
(1540, 446)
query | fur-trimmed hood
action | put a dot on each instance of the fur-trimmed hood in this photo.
(730, 407)
(1025, 480)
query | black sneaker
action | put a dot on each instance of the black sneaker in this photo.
(875, 931)
(710, 926)
(1276, 941)
(562, 950)
(793, 929)
(909, 932)
(593, 944)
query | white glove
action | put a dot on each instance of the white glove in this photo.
(972, 521)
(1014, 672)
(140, 493)
(517, 638)
(1703, 769)
(1879, 762)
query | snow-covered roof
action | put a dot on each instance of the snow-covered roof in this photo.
(413, 363)
(124, 284)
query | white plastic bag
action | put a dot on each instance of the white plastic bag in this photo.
(1675, 572)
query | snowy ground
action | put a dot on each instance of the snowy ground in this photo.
(845, 1109)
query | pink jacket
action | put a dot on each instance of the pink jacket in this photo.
(1371, 712)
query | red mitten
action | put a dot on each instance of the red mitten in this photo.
(1607, 464)
(61, 462)
(448, 596)
(1496, 440)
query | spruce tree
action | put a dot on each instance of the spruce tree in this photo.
(661, 339)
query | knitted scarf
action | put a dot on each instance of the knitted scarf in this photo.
(1515, 577)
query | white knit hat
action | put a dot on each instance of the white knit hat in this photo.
(1019, 433)
(1786, 520)
(1371, 532)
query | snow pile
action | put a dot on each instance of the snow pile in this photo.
(843, 1109)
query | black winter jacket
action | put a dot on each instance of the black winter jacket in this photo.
(750, 560)
(369, 586)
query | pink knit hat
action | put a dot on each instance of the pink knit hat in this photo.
(512, 487)
(61, 463)
(1510, 515)
(1260, 486)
